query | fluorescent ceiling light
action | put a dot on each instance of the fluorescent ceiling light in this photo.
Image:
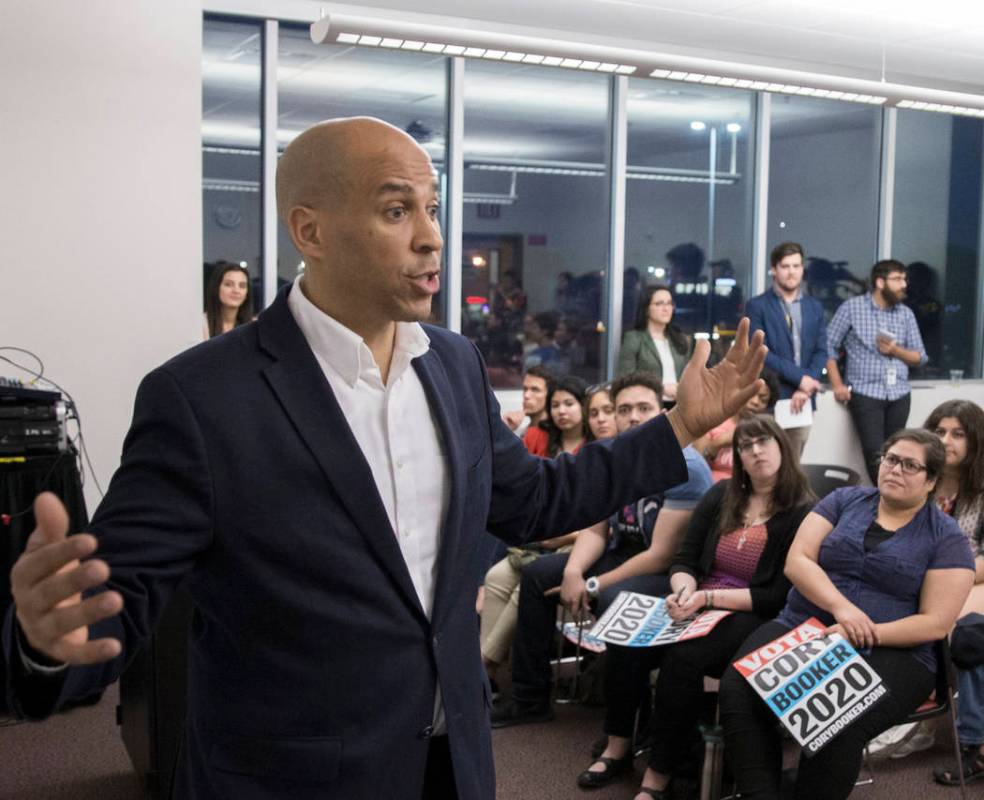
(418, 33)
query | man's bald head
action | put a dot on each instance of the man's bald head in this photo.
(319, 165)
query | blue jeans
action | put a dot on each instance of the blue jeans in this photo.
(970, 706)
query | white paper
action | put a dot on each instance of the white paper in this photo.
(785, 418)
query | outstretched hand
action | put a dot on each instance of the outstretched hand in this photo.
(707, 397)
(47, 582)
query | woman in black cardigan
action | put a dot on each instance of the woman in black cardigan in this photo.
(732, 557)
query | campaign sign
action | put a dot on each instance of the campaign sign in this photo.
(580, 635)
(817, 685)
(639, 620)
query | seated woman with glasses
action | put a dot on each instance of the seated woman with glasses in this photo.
(885, 568)
(715, 445)
(655, 344)
(732, 557)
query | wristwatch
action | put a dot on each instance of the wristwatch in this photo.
(592, 587)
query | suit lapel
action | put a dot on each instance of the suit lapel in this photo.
(302, 389)
(440, 396)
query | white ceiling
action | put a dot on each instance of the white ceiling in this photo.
(935, 44)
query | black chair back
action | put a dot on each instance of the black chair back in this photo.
(824, 478)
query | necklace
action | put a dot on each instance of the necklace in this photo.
(758, 519)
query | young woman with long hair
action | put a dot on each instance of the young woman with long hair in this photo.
(731, 557)
(655, 344)
(227, 299)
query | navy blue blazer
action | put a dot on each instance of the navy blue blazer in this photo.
(765, 312)
(312, 667)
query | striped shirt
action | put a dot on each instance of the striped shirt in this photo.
(869, 373)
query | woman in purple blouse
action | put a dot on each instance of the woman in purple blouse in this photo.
(888, 570)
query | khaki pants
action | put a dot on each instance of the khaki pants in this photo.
(499, 611)
(797, 438)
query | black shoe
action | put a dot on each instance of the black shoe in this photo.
(516, 712)
(613, 768)
(598, 746)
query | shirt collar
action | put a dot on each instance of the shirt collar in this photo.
(799, 295)
(343, 349)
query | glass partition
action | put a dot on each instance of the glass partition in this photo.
(936, 232)
(231, 166)
(824, 170)
(536, 219)
(689, 197)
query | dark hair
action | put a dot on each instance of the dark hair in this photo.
(676, 337)
(572, 385)
(547, 321)
(640, 378)
(783, 249)
(884, 268)
(791, 487)
(931, 444)
(213, 308)
(540, 371)
(971, 418)
(771, 379)
(589, 395)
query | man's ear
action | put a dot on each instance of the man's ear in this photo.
(305, 229)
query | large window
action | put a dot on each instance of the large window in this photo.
(535, 248)
(319, 82)
(231, 165)
(824, 172)
(689, 196)
(936, 232)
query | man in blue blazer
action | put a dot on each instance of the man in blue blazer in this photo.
(320, 480)
(795, 333)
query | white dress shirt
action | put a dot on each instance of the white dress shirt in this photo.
(396, 432)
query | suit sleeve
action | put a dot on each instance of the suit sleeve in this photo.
(155, 520)
(534, 498)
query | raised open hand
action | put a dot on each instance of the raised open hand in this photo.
(47, 584)
(707, 397)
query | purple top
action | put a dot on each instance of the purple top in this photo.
(884, 583)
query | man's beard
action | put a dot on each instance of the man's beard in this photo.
(892, 298)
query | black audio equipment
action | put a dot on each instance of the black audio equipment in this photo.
(32, 421)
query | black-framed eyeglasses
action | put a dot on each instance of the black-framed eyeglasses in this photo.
(909, 465)
(747, 445)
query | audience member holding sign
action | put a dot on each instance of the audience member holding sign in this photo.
(731, 558)
(885, 568)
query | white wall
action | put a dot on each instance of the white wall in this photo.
(100, 199)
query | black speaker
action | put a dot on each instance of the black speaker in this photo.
(153, 698)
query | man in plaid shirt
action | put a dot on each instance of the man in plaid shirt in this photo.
(882, 341)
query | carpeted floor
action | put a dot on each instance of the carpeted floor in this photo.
(79, 756)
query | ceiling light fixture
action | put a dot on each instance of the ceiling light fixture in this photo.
(419, 33)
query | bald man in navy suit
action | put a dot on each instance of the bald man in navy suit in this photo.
(321, 480)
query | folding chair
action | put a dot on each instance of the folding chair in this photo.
(824, 478)
(942, 701)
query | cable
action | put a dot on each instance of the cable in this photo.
(72, 407)
(40, 374)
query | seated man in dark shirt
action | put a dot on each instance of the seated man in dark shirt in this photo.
(630, 551)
